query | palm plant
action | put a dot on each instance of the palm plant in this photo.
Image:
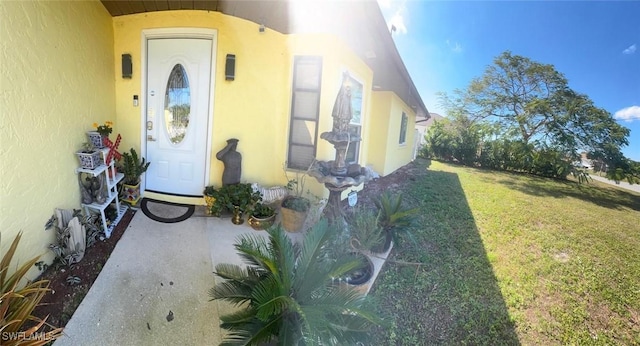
(285, 294)
(393, 217)
(366, 231)
(17, 304)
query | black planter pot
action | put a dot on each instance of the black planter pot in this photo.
(362, 274)
(384, 247)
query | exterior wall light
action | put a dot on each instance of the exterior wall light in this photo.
(230, 67)
(127, 67)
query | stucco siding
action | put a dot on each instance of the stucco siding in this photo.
(399, 154)
(61, 72)
(336, 59)
(252, 108)
(386, 153)
(57, 80)
(255, 107)
(379, 130)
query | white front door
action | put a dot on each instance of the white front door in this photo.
(178, 91)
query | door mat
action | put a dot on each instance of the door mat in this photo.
(166, 212)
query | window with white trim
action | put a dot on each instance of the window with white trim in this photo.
(403, 128)
(305, 107)
(355, 127)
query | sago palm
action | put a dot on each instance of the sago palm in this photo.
(285, 294)
(393, 217)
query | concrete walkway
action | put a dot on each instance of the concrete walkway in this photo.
(622, 184)
(154, 288)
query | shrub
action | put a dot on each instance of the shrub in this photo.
(17, 304)
(285, 294)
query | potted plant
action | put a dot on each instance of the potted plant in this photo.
(358, 267)
(294, 207)
(89, 157)
(97, 137)
(362, 273)
(262, 216)
(393, 217)
(133, 168)
(236, 198)
(276, 301)
(366, 232)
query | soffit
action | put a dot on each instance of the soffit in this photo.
(359, 23)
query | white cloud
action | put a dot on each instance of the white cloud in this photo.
(384, 3)
(394, 11)
(455, 46)
(630, 50)
(397, 21)
(628, 114)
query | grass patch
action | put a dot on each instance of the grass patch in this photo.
(514, 259)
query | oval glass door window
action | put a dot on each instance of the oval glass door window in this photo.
(177, 104)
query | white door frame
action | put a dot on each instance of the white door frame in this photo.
(147, 34)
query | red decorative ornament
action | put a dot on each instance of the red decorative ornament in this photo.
(113, 152)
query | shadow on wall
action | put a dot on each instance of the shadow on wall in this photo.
(454, 298)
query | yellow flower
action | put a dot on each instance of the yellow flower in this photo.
(105, 129)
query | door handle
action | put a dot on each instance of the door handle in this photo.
(150, 138)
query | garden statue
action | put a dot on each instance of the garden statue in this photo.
(342, 111)
(232, 162)
(336, 175)
(85, 192)
(94, 190)
(98, 189)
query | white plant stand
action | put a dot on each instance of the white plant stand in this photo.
(112, 192)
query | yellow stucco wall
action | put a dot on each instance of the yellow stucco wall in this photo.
(378, 132)
(255, 107)
(386, 154)
(57, 80)
(60, 68)
(336, 58)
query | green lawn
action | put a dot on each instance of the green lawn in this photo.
(513, 259)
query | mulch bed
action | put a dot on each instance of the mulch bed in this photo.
(65, 297)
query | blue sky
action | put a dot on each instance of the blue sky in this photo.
(596, 45)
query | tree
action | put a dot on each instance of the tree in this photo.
(456, 137)
(439, 141)
(533, 103)
(285, 294)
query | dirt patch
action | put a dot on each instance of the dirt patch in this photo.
(562, 257)
(65, 295)
(393, 182)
